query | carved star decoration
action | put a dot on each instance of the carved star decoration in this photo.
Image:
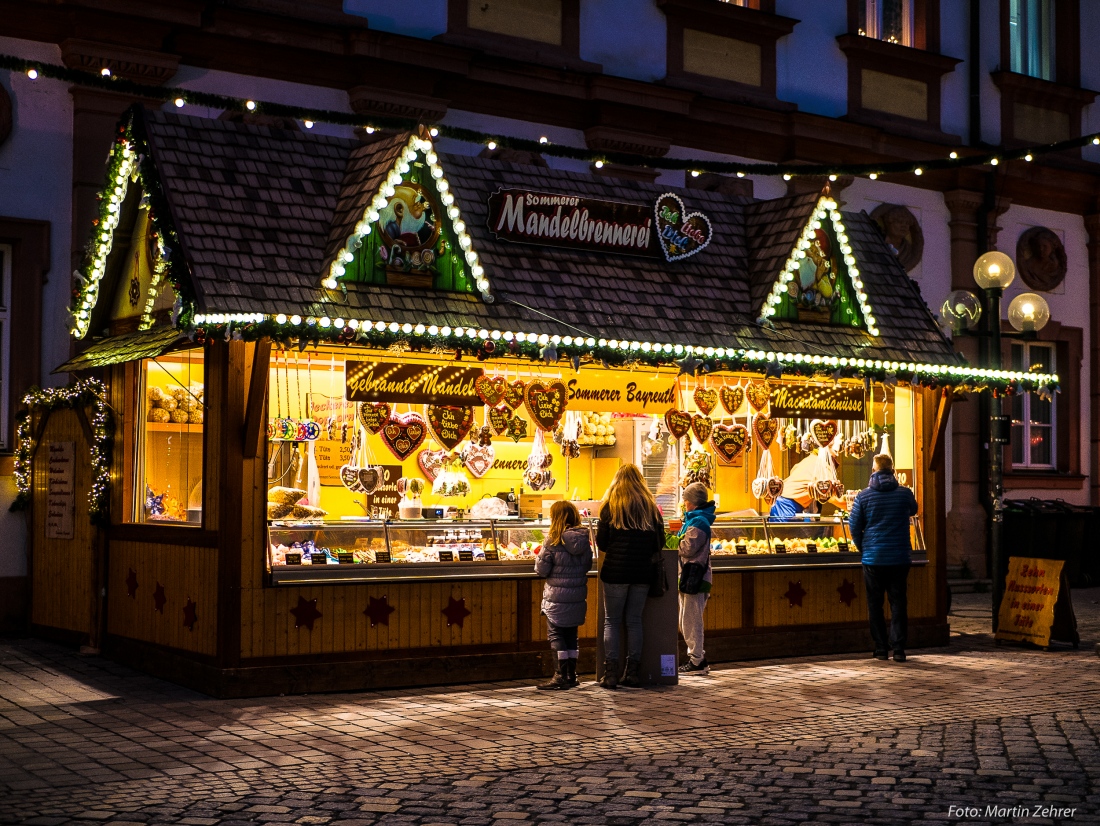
(456, 611)
(159, 599)
(847, 591)
(689, 365)
(131, 584)
(795, 593)
(379, 610)
(190, 617)
(305, 613)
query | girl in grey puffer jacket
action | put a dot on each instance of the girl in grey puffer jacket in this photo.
(564, 562)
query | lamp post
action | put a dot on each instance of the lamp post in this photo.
(1028, 313)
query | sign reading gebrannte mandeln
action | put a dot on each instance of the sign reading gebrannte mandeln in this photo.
(388, 381)
(557, 220)
(803, 401)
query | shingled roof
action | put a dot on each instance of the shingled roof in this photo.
(260, 213)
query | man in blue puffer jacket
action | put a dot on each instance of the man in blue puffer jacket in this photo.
(879, 522)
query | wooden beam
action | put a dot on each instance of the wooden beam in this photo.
(939, 429)
(257, 396)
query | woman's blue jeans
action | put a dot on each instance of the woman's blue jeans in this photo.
(623, 604)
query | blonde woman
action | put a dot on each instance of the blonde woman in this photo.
(630, 531)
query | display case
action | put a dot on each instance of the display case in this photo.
(807, 541)
(358, 550)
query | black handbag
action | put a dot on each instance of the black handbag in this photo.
(691, 577)
(658, 580)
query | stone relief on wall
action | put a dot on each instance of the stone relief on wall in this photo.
(902, 231)
(1041, 259)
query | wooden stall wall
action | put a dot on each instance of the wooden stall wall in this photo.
(66, 574)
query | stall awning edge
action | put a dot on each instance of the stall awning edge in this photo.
(142, 344)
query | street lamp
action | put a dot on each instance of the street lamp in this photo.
(1027, 313)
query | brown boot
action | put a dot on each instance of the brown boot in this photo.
(559, 681)
(630, 675)
(610, 677)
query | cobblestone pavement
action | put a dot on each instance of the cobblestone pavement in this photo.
(839, 739)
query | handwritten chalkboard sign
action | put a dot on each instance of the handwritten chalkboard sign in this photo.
(780, 548)
(742, 549)
(345, 558)
(293, 559)
(492, 555)
(465, 556)
(446, 556)
(318, 559)
(842, 547)
(811, 547)
(1027, 608)
(382, 557)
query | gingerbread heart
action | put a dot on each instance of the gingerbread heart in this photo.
(822, 490)
(513, 394)
(774, 489)
(758, 394)
(678, 422)
(824, 431)
(706, 400)
(517, 428)
(450, 424)
(838, 489)
(349, 477)
(370, 478)
(680, 235)
(430, 463)
(499, 418)
(491, 389)
(765, 430)
(479, 458)
(701, 427)
(732, 398)
(403, 434)
(373, 415)
(729, 441)
(545, 403)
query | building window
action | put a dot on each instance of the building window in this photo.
(5, 340)
(1031, 37)
(1033, 420)
(888, 20)
(170, 447)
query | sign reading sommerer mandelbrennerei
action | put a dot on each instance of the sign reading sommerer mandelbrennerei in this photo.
(804, 401)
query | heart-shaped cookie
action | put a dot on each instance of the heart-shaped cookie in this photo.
(349, 477)
(545, 403)
(490, 389)
(729, 441)
(370, 478)
(513, 394)
(774, 489)
(705, 399)
(499, 418)
(701, 427)
(373, 415)
(450, 424)
(765, 430)
(758, 393)
(403, 434)
(732, 398)
(678, 422)
(822, 490)
(430, 462)
(824, 431)
(517, 428)
(479, 458)
(680, 235)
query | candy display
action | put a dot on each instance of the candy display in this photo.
(178, 405)
(593, 429)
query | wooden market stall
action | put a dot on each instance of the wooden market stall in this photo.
(347, 389)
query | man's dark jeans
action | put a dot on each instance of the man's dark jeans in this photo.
(890, 581)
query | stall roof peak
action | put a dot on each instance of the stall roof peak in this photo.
(261, 214)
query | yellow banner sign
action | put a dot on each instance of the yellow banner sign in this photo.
(609, 392)
(1027, 610)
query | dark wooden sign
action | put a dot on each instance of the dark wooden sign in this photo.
(389, 381)
(803, 401)
(382, 557)
(446, 556)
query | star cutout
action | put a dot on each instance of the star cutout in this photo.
(847, 591)
(131, 584)
(189, 615)
(305, 613)
(795, 593)
(689, 365)
(379, 611)
(456, 611)
(159, 598)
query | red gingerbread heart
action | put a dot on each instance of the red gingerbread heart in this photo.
(729, 441)
(373, 415)
(706, 400)
(450, 424)
(545, 403)
(491, 389)
(678, 422)
(403, 434)
(765, 430)
(732, 398)
(824, 432)
(701, 427)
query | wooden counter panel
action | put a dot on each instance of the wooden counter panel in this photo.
(724, 608)
(186, 573)
(417, 621)
(821, 600)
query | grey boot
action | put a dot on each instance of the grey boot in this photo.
(610, 677)
(630, 675)
(559, 681)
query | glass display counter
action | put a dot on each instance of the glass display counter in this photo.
(371, 550)
(808, 541)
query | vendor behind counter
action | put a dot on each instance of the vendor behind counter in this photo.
(797, 498)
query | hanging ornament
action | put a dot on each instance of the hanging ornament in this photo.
(729, 442)
(570, 434)
(404, 433)
(678, 423)
(706, 399)
(732, 398)
(538, 475)
(373, 415)
(499, 418)
(758, 394)
(491, 389)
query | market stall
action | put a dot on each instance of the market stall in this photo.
(348, 390)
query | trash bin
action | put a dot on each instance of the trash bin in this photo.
(1052, 529)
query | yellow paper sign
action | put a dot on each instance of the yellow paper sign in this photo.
(609, 392)
(1027, 610)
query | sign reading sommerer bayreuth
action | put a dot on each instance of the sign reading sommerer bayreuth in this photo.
(387, 381)
(803, 401)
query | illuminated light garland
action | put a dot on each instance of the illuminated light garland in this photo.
(826, 208)
(417, 147)
(381, 334)
(80, 77)
(87, 393)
